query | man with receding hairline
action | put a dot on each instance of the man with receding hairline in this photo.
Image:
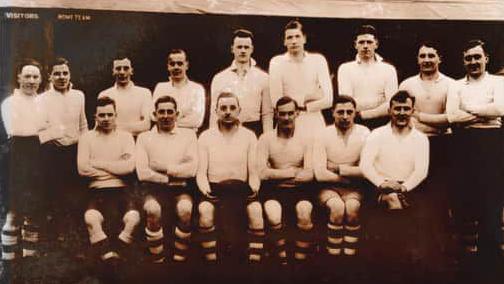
(248, 82)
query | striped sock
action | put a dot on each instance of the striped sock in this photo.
(155, 245)
(10, 242)
(277, 238)
(469, 237)
(103, 250)
(351, 239)
(181, 244)
(256, 245)
(30, 235)
(209, 244)
(304, 245)
(334, 239)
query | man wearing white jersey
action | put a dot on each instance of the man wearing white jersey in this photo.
(303, 76)
(248, 82)
(369, 80)
(228, 181)
(66, 118)
(105, 156)
(166, 160)
(475, 104)
(190, 95)
(134, 103)
(285, 167)
(395, 159)
(24, 121)
(336, 158)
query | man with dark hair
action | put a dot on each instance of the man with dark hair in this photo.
(65, 107)
(395, 159)
(190, 95)
(303, 76)
(475, 104)
(248, 82)
(369, 80)
(166, 158)
(285, 166)
(228, 181)
(24, 120)
(336, 158)
(105, 156)
(134, 103)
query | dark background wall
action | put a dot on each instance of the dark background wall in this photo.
(92, 39)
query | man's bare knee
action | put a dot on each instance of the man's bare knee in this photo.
(254, 213)
(303, 211)
(206, 214)
(273, 211)
(184, 210)
(336, 210)
(352, 208)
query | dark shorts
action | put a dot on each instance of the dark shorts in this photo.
(25, 194)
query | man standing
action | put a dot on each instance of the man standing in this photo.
(248, 82)
(105, 156)
(285, 166)
(367, 79)
(395, 159)
(134, 103)
(66, 116)
(190, 96)
(166, 158)
(304, 77)
(336, 158)
(228, 181)
(24, 122)
(475, 104)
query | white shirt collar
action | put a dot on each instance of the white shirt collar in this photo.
(378, 58)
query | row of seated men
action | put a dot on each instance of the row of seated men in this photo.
(472, 106)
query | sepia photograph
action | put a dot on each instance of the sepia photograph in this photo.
(252, 141)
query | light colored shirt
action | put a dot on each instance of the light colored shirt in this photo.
(190, 100)
(307, 82)
(23, 115)
(282, 153)
(430, 97)
(224, 157)
(133, 105)
(252, 91)
(104, 158)
(370, 84)
(331, 147)
(389, 156)
(485, 95)
(177, 149)
(66, 111)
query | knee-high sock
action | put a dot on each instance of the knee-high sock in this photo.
(277, 239)
(334, 239)
(255, 245)
(30, 234)
(351, 239)
(209, 244)
(131, 220)
(155, 244)
(10, 241)
(181, 244)
(305, 246)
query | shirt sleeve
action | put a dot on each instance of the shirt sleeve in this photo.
(144, 172)
(275, 80)
(202, 173)
(253, 176)
(344, 81)
(325, 86)
(367, 159)
(126, 163)
(421, 163)
(214, 89)
(266, 107)
(83, 123)
(495, 108)
(194, 119)
(83, 159)
(188, 169)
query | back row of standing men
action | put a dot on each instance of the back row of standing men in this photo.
(244, 93)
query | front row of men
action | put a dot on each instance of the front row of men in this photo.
(229, 165)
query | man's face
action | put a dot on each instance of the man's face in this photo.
(60, 77)
(166, 116)
(475, 61)
(105, 117)
(286, 115)
(242, 49)
(177, 66)
(228, 110)
(400, 113)
(344, 115)
(366, 44)
(294, 40)
(29, 79)
(122, 71)
(428, 60)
